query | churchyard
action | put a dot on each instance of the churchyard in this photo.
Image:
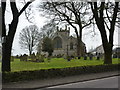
(41, 67)
(20, 64)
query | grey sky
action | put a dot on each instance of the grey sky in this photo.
(90, 40)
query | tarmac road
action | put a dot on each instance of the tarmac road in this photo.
(41, 84)
(111, 82)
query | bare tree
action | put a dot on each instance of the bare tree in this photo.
(48, 29)
(100, 16)
(29, 12)
(73, 13)
(8, 38)
(29, 38)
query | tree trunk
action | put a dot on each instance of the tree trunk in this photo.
(78, 48)
(106, 46)
(6, 56)
(108, 54)
(108, 58)
(30, 52)
(7, 46)
(80, 39)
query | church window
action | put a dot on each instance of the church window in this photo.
(71, 46)
(57, 43)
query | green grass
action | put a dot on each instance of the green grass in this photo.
(18, 65)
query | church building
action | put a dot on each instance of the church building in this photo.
(64, 44)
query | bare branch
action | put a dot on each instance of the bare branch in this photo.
(14, 9)
(26, 5)
(108, 16)
(87, 24)
(107, 25)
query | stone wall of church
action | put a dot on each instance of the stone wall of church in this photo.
(66, 40)
(64, 44)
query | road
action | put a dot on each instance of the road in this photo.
(111, 82)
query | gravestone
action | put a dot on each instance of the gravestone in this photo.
(98, 56)
(68, 58)
(21, 58)
(79, 57)
(85, 57)
(72, 57)
(90, 56)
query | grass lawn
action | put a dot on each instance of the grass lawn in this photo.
(18, 65)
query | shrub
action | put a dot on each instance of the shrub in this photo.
(39, 58)
(51, 73)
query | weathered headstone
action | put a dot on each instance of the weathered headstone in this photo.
(68, 58)
(90, 56)
(85, 57)
(78, 57)
(21, 58)
(98, 56)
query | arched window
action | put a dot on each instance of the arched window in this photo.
(57, 42)
(71, 46)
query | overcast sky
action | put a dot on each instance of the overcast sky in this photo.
(91, 40)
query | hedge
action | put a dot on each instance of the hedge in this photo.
(52, 73)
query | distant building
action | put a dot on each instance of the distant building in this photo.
(116, 52)
(98, 50)
(64, 44)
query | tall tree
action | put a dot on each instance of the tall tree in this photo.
(74, 13)
(29, 38)
(48, 29)
(8, 38)
(100, 16)
(47, 45)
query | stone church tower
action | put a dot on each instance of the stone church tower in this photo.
(64, 44)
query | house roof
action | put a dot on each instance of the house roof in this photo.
(94, 50)
(116, 49)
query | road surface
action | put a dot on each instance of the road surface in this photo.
(111, 82)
